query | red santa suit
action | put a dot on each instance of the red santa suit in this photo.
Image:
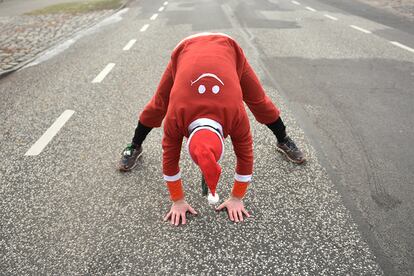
(205, 84)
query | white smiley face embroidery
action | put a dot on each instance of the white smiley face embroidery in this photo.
(202, 88)
(215, 89)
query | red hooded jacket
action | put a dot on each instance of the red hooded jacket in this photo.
(208, 77)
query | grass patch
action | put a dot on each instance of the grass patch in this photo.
(79, 7)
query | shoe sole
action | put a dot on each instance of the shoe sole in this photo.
(122, 169)
(290, 159)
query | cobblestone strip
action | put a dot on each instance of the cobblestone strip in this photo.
(24, 37)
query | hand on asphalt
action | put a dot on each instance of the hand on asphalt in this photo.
(235, 209)
(179, 210)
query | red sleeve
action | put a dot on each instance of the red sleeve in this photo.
(171, 147)
(154, 112)
(262, 107)
(243, 148)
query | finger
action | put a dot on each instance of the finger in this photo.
(172, 218)
(245, 213)
(239, 212)
(192, 211)
(230, 214)
(236, 218)
(221, 206)
(183, 218)
(167, 216)
(177, 219)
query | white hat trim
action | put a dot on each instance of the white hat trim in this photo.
(205, 122)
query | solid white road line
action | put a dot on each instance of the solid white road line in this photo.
(296, 3)
(50, 133)
(154, 16)
(103, 73)
(165, 3)
(330, 17)
(360, 29)
(144, 28)
(161, 9)
(402, 46)
(311, 9)
(129, 45)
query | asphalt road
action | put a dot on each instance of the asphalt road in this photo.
(345, 94)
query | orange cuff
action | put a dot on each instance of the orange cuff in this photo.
(176, 190)
(239, 189)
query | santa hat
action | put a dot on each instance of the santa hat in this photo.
(205, 146)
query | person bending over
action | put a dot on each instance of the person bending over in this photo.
(201, 97)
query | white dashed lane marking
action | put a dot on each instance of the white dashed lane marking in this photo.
(161, 9)
(165, 3)
(360, 29)
(50, 133)
(144, 28)
(402, 46)
(154, 16)
(129, 45)
(330, 17)
(103, 73)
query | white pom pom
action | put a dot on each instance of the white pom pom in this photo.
(213, 199)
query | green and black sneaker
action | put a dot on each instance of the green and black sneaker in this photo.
(129, 158)
(291, 151)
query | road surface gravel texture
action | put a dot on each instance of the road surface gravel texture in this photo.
(401, 7)
(68, 211)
